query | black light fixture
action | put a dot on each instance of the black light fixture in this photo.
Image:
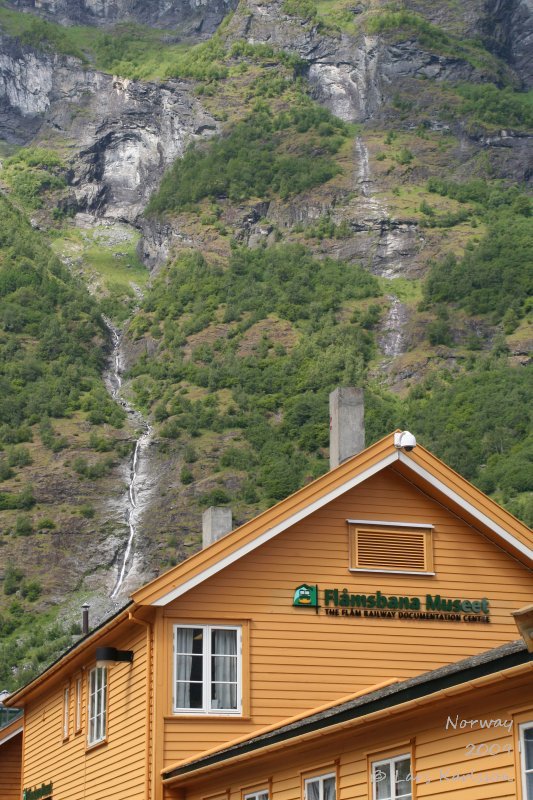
(107, 656)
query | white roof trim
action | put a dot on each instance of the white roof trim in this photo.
(390, 524)
(266, 536)
(11, 735)
(475, 512)
(272, 532)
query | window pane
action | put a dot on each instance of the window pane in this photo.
(224, 668)
(224, 695)
(189, 668)
(529, 786)
(189, 695)
(403, 778)
(382, 779)
(224, 643)
(312, 790)
(190, 641)
(329, 789)
(528, 747)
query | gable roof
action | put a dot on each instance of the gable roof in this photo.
(512, 657)
(419, 466)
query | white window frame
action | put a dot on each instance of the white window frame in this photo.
(392, 763)
(77, 715)
(206, 676)
(66, 720)
(97, 706)
(320, 780)
(262, 793)
(523, 772)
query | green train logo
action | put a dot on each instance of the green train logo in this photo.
(306, 596)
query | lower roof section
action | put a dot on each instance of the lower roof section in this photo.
(485, 664)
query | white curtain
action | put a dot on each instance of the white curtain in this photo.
(184, 645)
(329, 789)
(224, 669)
(313, 790)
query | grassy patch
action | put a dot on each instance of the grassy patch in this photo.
(108, 261)
(128, 49)
(331, 16)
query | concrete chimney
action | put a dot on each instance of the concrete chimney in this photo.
(216, 522)
(346, 424)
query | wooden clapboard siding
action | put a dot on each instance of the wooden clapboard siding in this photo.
(298, 659)
(115, 769)
(11, 762)
(438, 751)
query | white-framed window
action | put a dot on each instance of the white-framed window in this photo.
(391, 778)
(526, 754)
(97, 705)
(77, 714)
(66, 700)
(321, 787)
(207, 669)
(261, 795)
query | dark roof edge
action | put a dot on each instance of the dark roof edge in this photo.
(70, 650)
(505, 657)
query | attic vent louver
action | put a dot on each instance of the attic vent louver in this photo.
(387, 549)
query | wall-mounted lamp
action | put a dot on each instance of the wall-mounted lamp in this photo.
(107, 656)
(524, 622)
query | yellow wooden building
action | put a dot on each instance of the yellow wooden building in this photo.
(350, 643)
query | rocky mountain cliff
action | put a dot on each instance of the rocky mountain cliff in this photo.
(196, 15)
(359, 175)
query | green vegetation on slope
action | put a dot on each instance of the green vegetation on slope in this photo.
(132, 50)
(128, 49)
(502, 107)
(496, 276)
(480, 424)
(31, 172)
(51, 335)
(284, 154)
(285, 346)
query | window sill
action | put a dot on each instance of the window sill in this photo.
(95, 746)
(226, 717)
(393, 571)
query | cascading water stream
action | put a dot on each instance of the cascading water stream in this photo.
(132, 505)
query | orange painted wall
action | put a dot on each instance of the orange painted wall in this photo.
(447, 763)
(299, 660)
(11, 767)
(114, 769)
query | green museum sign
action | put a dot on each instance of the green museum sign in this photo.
(45, 790)
(341, 602)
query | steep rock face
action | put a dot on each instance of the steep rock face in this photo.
(204, 15)
(508, 28)
(123, 133)
(352, 76)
